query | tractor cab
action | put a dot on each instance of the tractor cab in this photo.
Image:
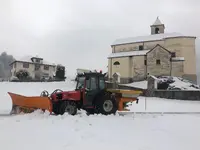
(90, 81)
(91, 85)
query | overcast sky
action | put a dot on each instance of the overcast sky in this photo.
(78, 33)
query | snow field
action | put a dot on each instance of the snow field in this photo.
(29, 89)
(154, 104)
(39, 130)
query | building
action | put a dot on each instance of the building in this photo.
(35, 67)
(159, 53)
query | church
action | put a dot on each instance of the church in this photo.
(158, 54)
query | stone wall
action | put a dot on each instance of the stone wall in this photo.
(126, 47)
(122, 80)
(150, 86)
(135, 46)
(138, 68)
(151, 44)
(152, 91)
(180, 95)
(161, 28)
(191, 77)
(162, 55)
(184, 47)
(177, 68)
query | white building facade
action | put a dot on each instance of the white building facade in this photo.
(36, 67)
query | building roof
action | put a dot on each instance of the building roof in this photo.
(28, 59)
(157, 22)
(153, 37)
(130, 53)
(178, 59)
(158, 45)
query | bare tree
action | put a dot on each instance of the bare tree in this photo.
(5, 67)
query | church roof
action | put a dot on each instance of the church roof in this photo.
(153, 37)
(130, 53)
(157, 22)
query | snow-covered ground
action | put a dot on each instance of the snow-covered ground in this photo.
(29, 89)
(153, 104)
(139, 132)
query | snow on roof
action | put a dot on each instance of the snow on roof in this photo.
(28, 59)
(117, 73)
(130, 53)
(183, 84)
(178, 58)
(139, 84)
(157, 22)
(153, 37)
(153, 77)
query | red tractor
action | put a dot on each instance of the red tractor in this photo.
(90, 94)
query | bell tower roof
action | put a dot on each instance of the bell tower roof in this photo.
(157, 22)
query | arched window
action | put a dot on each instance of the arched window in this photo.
(157, 30)
(116, 63)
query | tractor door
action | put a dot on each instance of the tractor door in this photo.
(91, 90)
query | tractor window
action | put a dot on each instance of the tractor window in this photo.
(88, 84)
(93, 83)
(80, 83)
(101, 83)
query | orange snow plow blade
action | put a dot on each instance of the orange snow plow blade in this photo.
(29, 104)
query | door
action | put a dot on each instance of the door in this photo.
(91, 90)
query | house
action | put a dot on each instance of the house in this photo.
(34, 67)
(160, 53)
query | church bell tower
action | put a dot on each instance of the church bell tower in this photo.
(157, 27)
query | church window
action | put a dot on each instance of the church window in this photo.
(141, 47)
(25, 65)
(158, 61)
(157, 30)
(173, 54)
(116, 63)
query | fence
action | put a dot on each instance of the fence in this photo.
(177, 94)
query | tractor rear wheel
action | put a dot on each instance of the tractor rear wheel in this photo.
(106, 104)
(69, 107)
(56, 108)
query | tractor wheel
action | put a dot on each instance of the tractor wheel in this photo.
(106, 104)
(69, 107)
(56, 108)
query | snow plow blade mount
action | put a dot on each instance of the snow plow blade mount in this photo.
(29, 104)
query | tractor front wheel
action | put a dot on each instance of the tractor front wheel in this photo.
(69, 107)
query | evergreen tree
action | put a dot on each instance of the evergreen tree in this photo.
(60, 72)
